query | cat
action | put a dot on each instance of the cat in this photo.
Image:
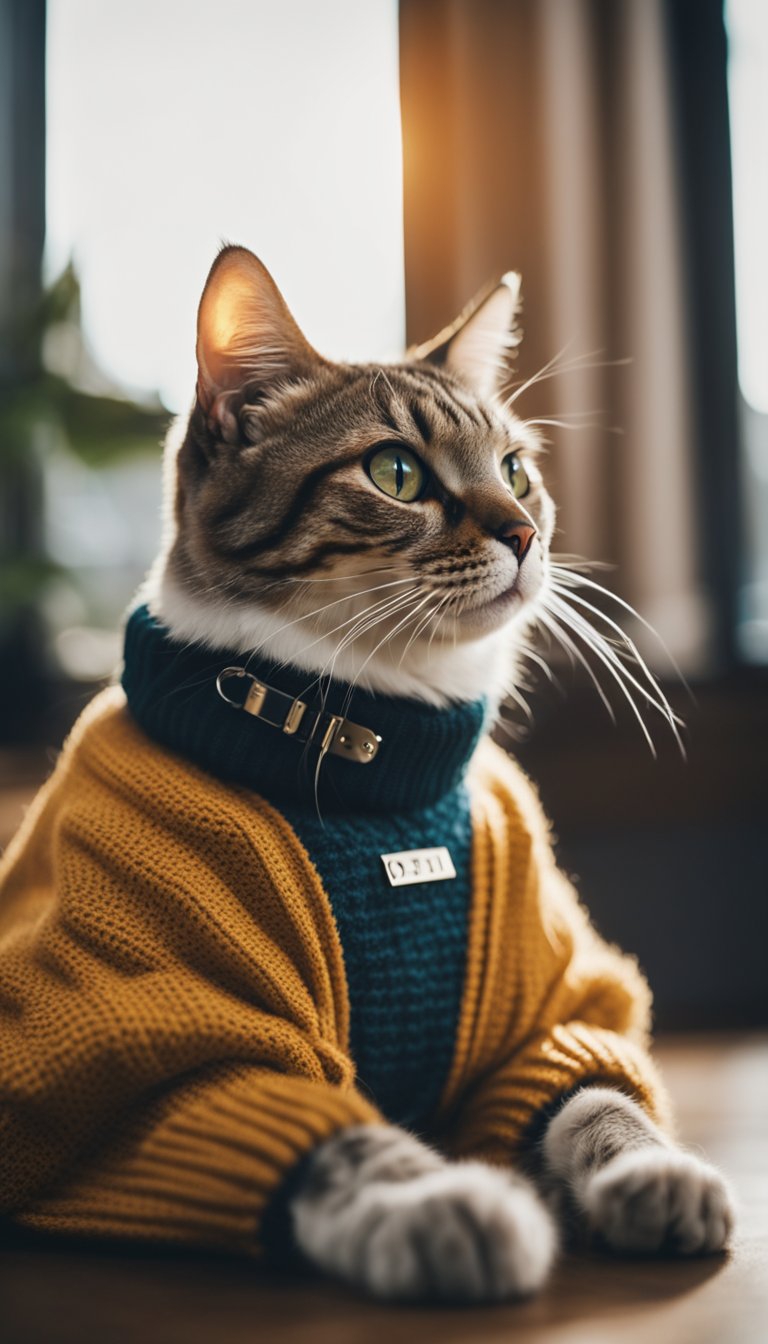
(379, 534)
(377, 1206)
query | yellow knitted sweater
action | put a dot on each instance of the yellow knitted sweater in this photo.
(173, 1005)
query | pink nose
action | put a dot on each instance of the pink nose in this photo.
(519, 536)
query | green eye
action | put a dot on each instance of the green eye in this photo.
(398, 473)
(515, 475)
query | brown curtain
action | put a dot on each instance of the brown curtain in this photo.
(538, 135)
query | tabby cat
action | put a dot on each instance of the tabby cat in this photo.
(389, 527)
(286, 961)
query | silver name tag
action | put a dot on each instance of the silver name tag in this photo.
(418, 865)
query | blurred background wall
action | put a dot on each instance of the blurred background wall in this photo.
(386, 160)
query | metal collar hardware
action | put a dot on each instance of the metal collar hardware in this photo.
(329, 732)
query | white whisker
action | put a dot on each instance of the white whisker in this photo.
(600, 654)
(387, 637)
(383, 605)
(662, 704)
(603, 650)
(340, 578)
(366, 622)
(525, 651)
(347, 597)
(577, 580)
(569, 424)
(579, 364)
(550, 623)
(441, 610)
(513, 693)
(572, 565)
(421, 625)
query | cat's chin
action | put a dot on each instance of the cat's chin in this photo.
(479, 664)
(477, 621)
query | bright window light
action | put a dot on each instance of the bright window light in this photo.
(273, 123)
(747, 22)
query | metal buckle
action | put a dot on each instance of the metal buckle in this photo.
(256, 698)
(340, 737)
(238, 672)
(355, 743)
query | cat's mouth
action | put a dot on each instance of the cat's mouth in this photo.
(486, 612)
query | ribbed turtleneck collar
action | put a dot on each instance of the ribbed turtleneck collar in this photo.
(171, 692)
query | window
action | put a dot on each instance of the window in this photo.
(274, 123)
(747, 22)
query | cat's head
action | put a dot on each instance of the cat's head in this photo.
(383, 523)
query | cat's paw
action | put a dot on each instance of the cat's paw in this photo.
(462, 1233)
(659, 1199)
(467, 1233)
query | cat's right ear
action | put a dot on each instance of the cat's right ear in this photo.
(476, 347)
(245, 333)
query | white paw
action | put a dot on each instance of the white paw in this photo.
(659, 1199)
(464, 1233)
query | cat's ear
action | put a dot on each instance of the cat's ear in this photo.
(245, 331)
(475, 348)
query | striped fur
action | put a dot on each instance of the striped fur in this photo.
(277, 540)
(381, 1210)
(636, 1190)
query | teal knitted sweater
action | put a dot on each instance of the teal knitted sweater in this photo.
(404, 947)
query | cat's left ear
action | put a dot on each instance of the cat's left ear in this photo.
(475, 348)
(246, 334)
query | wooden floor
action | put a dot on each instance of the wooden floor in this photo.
(57, 1294)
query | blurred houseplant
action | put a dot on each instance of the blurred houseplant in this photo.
(78, 511)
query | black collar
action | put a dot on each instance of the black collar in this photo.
(172, 694)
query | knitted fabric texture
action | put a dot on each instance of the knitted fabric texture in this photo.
(404, 948)
(174, 1016)
(171, 692)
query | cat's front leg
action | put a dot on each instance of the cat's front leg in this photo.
(638, 1191)
(381, 1210)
